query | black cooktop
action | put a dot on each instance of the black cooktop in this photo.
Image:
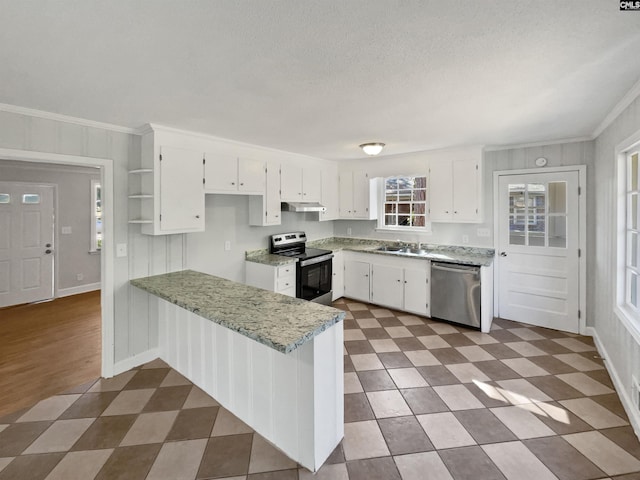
(307, 254)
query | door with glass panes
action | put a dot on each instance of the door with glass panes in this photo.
(537, 257)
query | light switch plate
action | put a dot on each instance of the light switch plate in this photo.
(483, 232)
(227, 245)
(121, 250)
(66, 230)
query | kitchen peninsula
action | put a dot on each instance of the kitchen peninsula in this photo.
(274, 361)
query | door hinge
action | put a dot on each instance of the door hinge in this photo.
(160, 157)
(476, 211)
(202, 180)
(427, 281)
(160, 217)
(579, 253)
(579, 190)
(476, 166)
(265, 169)
(203, 161)
(579, 314)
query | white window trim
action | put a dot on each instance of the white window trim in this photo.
(381, 197)
(93, 246)
(628, 315)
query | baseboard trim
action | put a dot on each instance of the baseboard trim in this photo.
(627, 403)
(135, 361)
(89, 287)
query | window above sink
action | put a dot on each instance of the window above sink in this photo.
(403, 204)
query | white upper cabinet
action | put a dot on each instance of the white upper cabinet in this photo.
(455, 190)
(357, 198)
(329, 197)
(174, 197)
(265, 209)
(181, 196)
(226, 173)
(251, 177)
(300, 184)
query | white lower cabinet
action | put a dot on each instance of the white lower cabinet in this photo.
(356, 279)
(337, 280)
(387, 287)
(417, 290)
(279, 279)
(398, 283)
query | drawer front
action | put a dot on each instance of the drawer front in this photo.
(286, 283)
(286, 271)
(290, 291)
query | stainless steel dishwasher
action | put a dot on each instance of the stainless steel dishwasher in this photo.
(455, 293)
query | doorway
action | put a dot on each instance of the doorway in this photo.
(539, 247)
(107, 256)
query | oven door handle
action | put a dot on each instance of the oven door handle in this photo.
(313, 261)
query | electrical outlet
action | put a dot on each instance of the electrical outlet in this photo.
(79, 276)
(483, 232)
(227, 245)
(121, 250)
(348, 230)
(465, 238)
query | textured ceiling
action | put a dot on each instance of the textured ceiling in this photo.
(319, 77)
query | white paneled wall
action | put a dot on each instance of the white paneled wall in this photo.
(577, 153)
(295, 400)
(133, 333)
(616, 342)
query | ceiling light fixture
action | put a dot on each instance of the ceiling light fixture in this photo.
(372, 148)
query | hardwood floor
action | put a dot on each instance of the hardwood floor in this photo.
(47, 348)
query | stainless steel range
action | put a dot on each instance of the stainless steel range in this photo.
(313, 269)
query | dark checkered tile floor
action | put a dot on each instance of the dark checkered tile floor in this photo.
(423, 400)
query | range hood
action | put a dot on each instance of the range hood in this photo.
(302, 207)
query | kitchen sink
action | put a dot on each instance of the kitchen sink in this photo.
(388, 248)
(403, 250)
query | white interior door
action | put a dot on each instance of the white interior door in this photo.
(538, 249)
(26, 243)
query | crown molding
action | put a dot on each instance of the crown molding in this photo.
(31, 112)
(493, 148)
(629, 97)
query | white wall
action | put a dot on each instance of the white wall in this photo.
(73, 190)
(227, 218)
(620, 347)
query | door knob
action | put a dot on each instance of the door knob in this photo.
(47, 251)
(503, 254)
(48, 245)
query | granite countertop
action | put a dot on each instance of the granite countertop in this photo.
(482, 257)
(280, 322)
(263, 256)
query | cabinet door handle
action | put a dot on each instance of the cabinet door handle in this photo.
(455, 211)
(197, 216)
(241, 183)
(398, 281)
(276, 216)
(304, 194)
(446, 211)
(233, 183)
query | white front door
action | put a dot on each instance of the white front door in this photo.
(26, 243)
(538, 249)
